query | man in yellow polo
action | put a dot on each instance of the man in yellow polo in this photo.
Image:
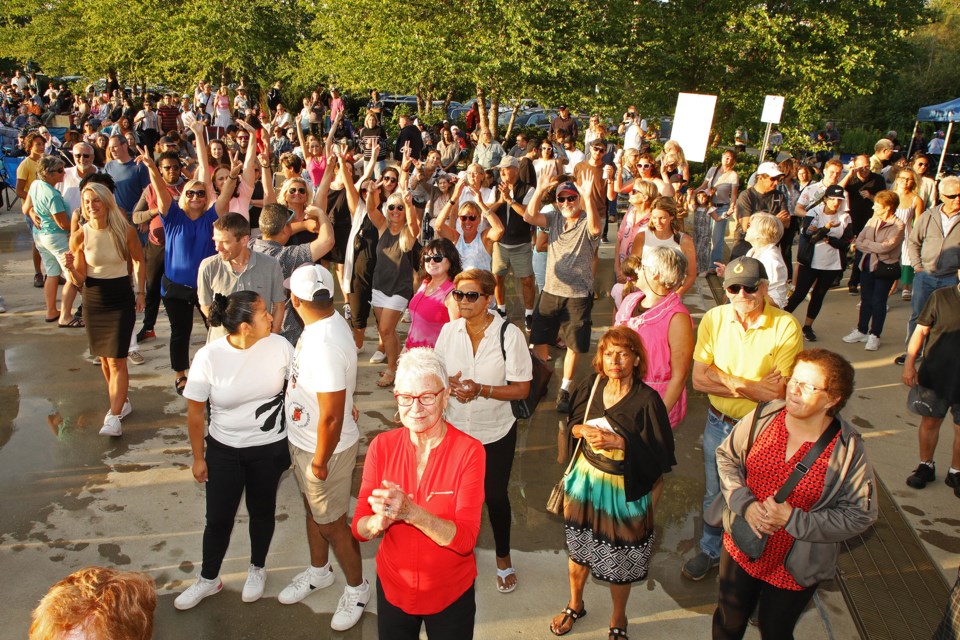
(745, 353)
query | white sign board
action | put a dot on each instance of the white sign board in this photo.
(692, 122)
(772, 109)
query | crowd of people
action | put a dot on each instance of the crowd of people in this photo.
(284, 231)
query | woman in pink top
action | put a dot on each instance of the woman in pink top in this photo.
(634, 222)
(433, 306)
(664, 325)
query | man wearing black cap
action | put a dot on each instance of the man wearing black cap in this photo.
(744, 355)
(567, 299)
(566, 124)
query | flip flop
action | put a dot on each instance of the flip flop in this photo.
(386, 379)
(75, 323)
(568, 615)
(503, 574)
(53, 319)
(617, 634)
(177, 386)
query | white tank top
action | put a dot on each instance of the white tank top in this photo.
(473, 255)
(100, 252)
(651, 241)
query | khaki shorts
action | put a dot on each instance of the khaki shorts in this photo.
(520, 258)
(328, 499)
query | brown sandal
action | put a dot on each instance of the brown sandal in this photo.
(571, 616)
(386, 378)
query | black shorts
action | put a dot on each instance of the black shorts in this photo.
(570, 318)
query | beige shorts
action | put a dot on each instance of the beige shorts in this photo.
(520, 258)
(328, 499)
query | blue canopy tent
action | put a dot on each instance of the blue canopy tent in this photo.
(948, 112)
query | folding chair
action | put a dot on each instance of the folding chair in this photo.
(8, 180)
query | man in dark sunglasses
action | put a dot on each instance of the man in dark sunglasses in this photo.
(744, 354)
(566, 303)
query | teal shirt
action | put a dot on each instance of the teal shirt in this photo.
(46, 202)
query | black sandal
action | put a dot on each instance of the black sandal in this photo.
(177, 382)
(617, 632)
(568, 615)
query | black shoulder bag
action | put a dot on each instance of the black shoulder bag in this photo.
(524, 408)
(737, 526)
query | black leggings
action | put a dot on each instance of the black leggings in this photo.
(739, 593)
(495, 483)
(453, 623)
(180, 314)
(820, 280)
(361, 287)
(154, 257)
(232, 471)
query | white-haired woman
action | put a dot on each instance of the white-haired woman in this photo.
(422, 490)
(763, 235)
(98, 261)
(393, 274)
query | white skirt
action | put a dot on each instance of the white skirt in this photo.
(381, 300)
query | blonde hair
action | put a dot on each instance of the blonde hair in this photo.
(191, 185)
(916, 182)
(630, 268)
(674, 146)
(406, 238)
(645, 191)
(117, 223)
(282, 196)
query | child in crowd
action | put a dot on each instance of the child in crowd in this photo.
(698, 204)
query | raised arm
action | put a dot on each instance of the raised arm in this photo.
(324, 241)
(250, 159)
(323, 189)
(163, 196)
(226, 194)
(203, 157)
(594, 217)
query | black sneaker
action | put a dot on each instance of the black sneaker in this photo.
(697, 567)
(923, 474)
(900, 359)
(952, 479)
(563, 401)
(502, 312)
(528, 323)
(853, 290)
(809, 335)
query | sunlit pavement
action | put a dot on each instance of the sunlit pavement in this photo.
(70, 498)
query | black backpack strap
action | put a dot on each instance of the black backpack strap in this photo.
(804, 465)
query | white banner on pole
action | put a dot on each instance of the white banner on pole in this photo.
(692, 121)
(772, 109)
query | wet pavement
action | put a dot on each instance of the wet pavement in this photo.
(70, 498)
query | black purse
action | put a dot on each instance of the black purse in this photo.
(737, 526)
(887, 271)
(524, 408)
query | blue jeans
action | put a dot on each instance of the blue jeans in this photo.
(713, 434)
(873, 301)
(719, 235)
(924, 285)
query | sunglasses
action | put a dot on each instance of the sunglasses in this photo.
(470, 218)
(734, 289)
(562, 199)
(166, 167)
(950, 196)
(395, 207)
(190, 193)
(644, 166)
(546, 148)
(598, 149)
(82, 155)
(298, 190)
(469, 296)
(389, 179)
(437, 259)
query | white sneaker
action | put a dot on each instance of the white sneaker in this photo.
(350, 607)
(855, 336)
(256, 581)
(305, 583)
(127, 409)
(405, 318)
(346, 312)
(873, 343)
(136, 357)
(378, 358)
(111, 426)
(907, 294)
(197, 592)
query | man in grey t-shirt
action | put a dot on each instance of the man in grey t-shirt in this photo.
(566, 302)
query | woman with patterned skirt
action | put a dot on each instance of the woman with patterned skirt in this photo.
(624, 446)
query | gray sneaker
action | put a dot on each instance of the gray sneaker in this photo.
(697, 567)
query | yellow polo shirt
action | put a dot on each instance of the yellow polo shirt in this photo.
(773, 342)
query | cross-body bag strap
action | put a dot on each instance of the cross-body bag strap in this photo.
(576, 450)
(804, 465)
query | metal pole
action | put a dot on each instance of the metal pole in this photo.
(916, 125)
(946, 145)
(766, 139)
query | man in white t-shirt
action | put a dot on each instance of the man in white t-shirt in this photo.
(324, 440)
(72, 176)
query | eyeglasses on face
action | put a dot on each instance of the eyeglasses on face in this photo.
(469, 296)
(734, 289)
(562, 199)
(950, 196)
(168, 167)
(468, 218)
(297, 190)
(805, 387)
(82, 155)
(389, 179)
(427, 399)
(437, 258)
(190, 193)
(395, 207)
(645, 165)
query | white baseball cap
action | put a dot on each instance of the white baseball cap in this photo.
(769, 169)
(311, 282)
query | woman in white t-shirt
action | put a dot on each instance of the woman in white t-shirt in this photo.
(243, 376)
(829, 232)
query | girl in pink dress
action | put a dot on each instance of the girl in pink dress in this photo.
(432, 306)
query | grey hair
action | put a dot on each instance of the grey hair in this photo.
(767, 227)
(419, 364)
(668, 264)
(954, 180)
(883, 144)
(49, 164)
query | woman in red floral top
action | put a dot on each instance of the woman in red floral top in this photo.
(832, 502)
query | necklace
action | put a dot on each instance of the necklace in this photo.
(475, 334)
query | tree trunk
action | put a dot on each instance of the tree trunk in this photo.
(447, 101)
(482, 108)
(419, 99)
(494, 114)
(513, 118)
(429, 98)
